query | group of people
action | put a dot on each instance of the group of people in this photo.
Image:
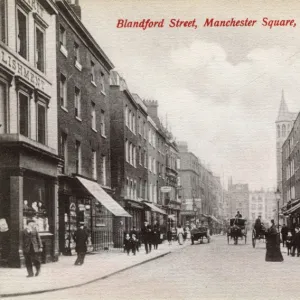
(149, 236)
(291, 239)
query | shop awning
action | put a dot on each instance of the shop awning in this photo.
(291, 210)
(100, 195)
(155, 208)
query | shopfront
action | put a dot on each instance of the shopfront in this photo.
(83, 200)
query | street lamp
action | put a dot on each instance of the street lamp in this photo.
(277, 195)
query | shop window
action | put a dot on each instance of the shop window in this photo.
(77, 96)
(102, 123)
(36, 205)
(22, 43)
(63, 91)
(93, 115)
(40, 49)
(41, 123)
(3, 21)
(3, 107)
(78, 157)
(23, 114)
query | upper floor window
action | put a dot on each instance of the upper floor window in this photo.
(64, 150)
(130, 119)
(126, 115)
(62, 36)
(130, 154)
(283, 130)
(93, 115)
(102, 122)
(78, 157)
(22, 43)
(76, 52)
(140, 155)
(145, 130)
(133, 123)
(3, 106)
(24, 114)
(134, 156)
(3, 21)
(140, 125)
(40, 49)
(63, 90)
(41, 123)
(145, 159)
(102, 78)
(103, 170)
(127, 150)
(93, 77)
(94, 164)
(77, 96)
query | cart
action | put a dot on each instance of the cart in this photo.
(236, 230)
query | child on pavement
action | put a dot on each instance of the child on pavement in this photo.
(289, 243)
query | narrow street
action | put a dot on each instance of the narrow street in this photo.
(207, 271)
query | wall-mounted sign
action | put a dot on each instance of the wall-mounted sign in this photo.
(166, 189)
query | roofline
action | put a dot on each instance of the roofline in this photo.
(63, 5)
(298, 115)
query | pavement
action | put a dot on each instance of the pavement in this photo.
(64, 274)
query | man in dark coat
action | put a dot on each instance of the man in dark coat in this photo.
(238, 215)
(32, 246)
(257, 226)
(80, 238)
(284, 233)
(296, 242)
(146, 234)
(156, 234)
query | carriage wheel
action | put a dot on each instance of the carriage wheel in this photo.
(253, 238)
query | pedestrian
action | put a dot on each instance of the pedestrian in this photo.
(32, 246)
(289, 243)
(81, 239)
(129, 244)
(146, 235)
(273, 252)
(134, 235)
(156, 235)
(296, 242)
(284, 232)
(169, 236)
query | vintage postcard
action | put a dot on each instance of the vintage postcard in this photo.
(149, 149)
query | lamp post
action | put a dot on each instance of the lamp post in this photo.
(277, 195)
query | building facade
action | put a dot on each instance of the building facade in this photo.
(28, 130)
(83, 72)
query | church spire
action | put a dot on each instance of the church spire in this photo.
(283, 113)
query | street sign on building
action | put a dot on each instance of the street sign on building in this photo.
(165, 189)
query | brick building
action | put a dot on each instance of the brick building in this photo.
(83, 72)
(28, 126)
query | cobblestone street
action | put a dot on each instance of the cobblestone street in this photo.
(208, 271)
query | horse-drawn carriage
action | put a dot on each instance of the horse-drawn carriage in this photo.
(200, 231)
(259, 233)
(237, 229)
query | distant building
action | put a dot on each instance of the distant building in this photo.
(284, 124)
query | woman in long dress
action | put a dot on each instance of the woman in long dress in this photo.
(273, 244)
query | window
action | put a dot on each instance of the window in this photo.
(62, 36)
(150, 163)
(134, 156)
(64, 150)
(41, 123)
(93, 115)
(63, 90)
(23, 114)
(77, 103)
(76, 53)
(3, 21)
(133, 123)
(94, 164)
(150, 192)
(140, 125)
(78, 157)
(102, 122)
(126, 151)
(130, 120)
(178, 164)
(103, 170)
(93, 77)
(140, 155)
(127, 187)
(130, 153)
(126, 115)
(40, 49)
(145, 189)
(283, 131)
(153, 166)
(3, 106)
(145, 131)
(102, 83)
(22, 34)
(145, 159)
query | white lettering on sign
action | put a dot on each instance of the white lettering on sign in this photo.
(21, 69)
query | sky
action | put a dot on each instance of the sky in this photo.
(218, 88)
